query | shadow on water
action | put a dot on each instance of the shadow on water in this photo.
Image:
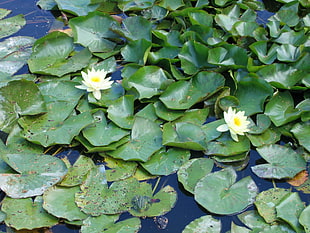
(39, 22)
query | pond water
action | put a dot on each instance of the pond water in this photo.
(39, 22)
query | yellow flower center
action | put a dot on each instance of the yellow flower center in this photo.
(237, 121)
(95, 79)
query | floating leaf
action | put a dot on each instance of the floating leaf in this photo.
(238, 229)
(289, 210)
(93, 31)
(304, 219)
(281, 109)
(121, 111)
(14, 53)
(36, 173)
(267, 201)
(184, 135)
(146, 139)
(299, 179)
(252, 99)
(19, 98)
(269, 136)
(127, 5)
(10, 25)
(149, 81)
(165, 113)
(219, 192)
(262, 124)
(26, 213)
(302, 132)
(203, 224)
(192, 171)
(260, 49)
(52, 55)
(77, 7)
(112, 133)
(288, 53)
(171, 5)
(166, 161)
(161, 203)
(119, 169)
(96, 224)
(184, 94)
(136, 51)
(283, 162)
(77, 172)
(60, 202)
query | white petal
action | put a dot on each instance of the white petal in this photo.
(97, 94)
(81, 87)
(222, 128)
(234, 136)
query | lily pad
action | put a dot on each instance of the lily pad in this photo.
(36, 173)
(283, 162)
(112, 133)
(192, 171)
(267, 201)
(146, 139)
(19, 98)
(10, 25)
(289, 210)
(137, 51)
(93, 31)
(203, 224)
(184, 94)
(304, 219)
(302, 132)
(26, 213)
(79, 7)
(14, 54)
(60, 202)
(281, 109)
(166, 161)
(51, 55)
(219, 193)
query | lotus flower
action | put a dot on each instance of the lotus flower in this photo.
(236, 123)
(95, 81)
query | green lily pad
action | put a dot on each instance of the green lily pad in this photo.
(281, 109)
(134, 28)
(289, 210)
(265, 55)
(210, 129)
(10, 25)
(171, 5)
(60, 202)
(219, 192)
(269, 136)
(302, 132)
(288, 53)
(93, 31)
(161, 203)
(166, 161)
(267, 201)
(79, 7)
(252, 219)
(238, 229)
(26, 213)
(252, 99)
(165, 113)
(262, 123)
(281, 75)
(148, 81)
(128, 5)
(119, 169)
(193, 57)
(77, 172)
(204, 224)
(184, 135)
(14, 53)
(112, 133)
(184, 94)
(283, 162)
(146, 139)
(105, 223)
(52, 55)
(192, 171)
(36, 173)
(136, 51)
(226, 146)
(304, 219)
(19, 98)
(121, 111)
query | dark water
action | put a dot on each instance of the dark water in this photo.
(39, 22)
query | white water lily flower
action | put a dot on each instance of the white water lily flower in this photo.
(236, 123)
(95, 81)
